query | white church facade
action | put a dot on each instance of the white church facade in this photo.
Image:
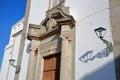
(65, 40)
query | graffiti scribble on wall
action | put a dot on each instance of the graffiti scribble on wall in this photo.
(89, 56)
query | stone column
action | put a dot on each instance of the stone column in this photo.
(32, 60)
(66, 53)
(38, 65)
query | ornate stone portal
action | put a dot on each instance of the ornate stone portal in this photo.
(54, 35)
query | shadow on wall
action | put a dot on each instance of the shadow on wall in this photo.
(28, 48)
(105, 73)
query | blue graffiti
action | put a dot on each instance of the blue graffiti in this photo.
(88, 56)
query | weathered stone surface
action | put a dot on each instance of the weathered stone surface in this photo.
(115, 21)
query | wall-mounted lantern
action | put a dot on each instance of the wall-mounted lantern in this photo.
(100, 32)
(12, 61)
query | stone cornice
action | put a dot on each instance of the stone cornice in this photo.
(33, 32)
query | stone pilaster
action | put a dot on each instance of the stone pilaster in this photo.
(32, 60)
(38, 62)
(66, 54)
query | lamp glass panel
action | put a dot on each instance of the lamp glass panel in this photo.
(100, 32)
(12, 61)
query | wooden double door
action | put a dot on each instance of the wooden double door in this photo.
(51, 69)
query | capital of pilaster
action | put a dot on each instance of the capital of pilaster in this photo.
(34, 50)
(66, 35)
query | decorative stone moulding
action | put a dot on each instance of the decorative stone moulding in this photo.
(55, 18)
(61, 15)
(33, 32)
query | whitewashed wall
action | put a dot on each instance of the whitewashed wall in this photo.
(89, 15)
(25, 58)
(11, 52)
(5, 63)
(37, 11)
(14, 56)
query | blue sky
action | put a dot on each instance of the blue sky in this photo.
(11, 11)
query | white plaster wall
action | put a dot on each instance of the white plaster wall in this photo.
(11, 51)
(25, 59)
(14, 56)
(5, 64)
(85, 8)
(17, 27)
(37, 11)
(90, 15)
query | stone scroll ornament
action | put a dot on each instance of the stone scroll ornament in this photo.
(89, 56)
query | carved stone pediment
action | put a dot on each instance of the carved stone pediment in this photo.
(51, 25)
(48, 25)
(61, 15)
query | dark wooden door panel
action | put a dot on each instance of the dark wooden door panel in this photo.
(51, 69)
